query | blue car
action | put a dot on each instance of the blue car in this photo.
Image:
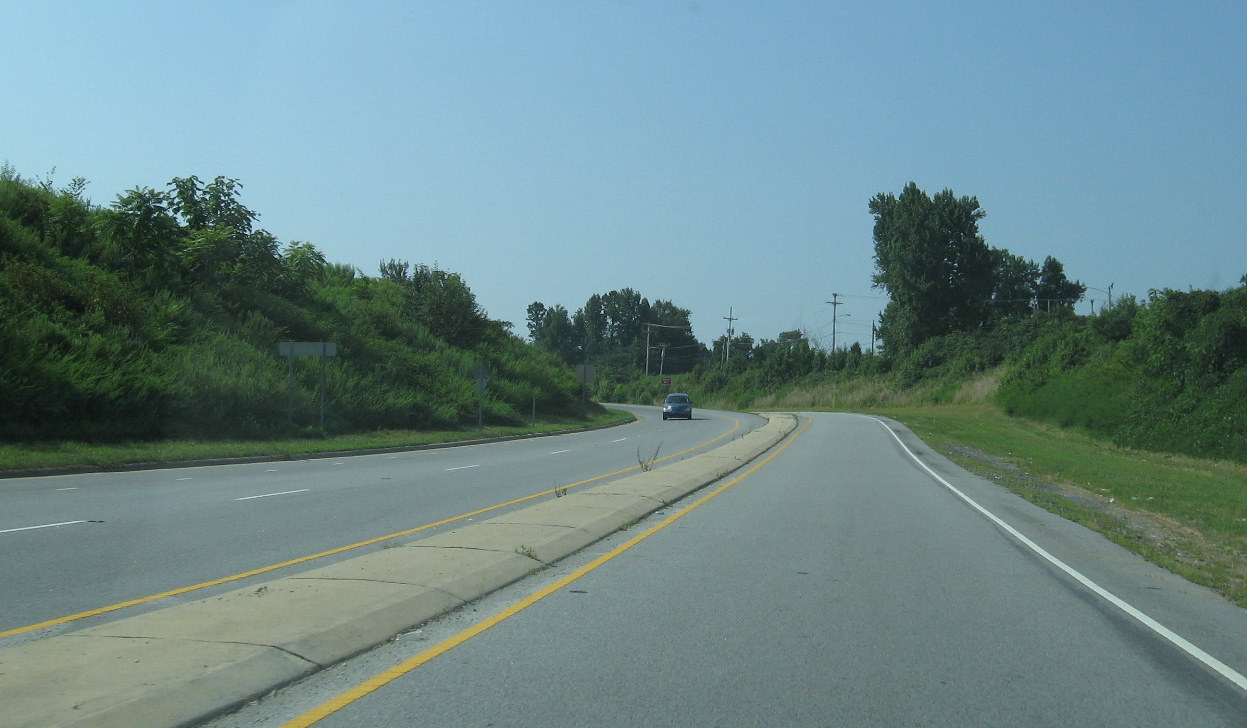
(677, 405)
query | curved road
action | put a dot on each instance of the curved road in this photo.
(74, 544)
(840, 583)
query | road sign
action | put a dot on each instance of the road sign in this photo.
(291, 349)
(666, 380)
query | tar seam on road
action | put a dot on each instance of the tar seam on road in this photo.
(382, 679)
(332, 552)
(1172, 637)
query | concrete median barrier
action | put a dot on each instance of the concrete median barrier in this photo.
(185, 664)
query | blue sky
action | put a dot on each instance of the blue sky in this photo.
(717, 154)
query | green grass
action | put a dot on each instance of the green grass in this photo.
(87, 455)
(1186, 514)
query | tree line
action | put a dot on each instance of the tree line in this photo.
(159, 316)
(942, 277)
(620, 331)
(1168, 373)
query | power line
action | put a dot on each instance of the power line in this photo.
(648, 329)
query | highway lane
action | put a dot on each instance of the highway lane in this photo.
(839, 584)
(125, 536)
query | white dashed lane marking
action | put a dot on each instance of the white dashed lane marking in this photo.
(270, 495)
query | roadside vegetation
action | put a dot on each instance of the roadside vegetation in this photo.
(158, 318)
(1186, 514)
(59, 456)
(147, 331)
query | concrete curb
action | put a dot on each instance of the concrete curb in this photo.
(186, 664)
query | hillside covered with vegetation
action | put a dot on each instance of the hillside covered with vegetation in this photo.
(160, 314)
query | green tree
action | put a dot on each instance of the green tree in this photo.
(936, 268)
(302, 266)
(674, 334)
(592, 322)
(1055, 292)
(1014, 283)
(626, 313)
(143, 234)
(552, 329)
(214, 205)
(439, 300)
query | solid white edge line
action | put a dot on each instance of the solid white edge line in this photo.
(46, 525)
(270, 495)
(1177, 640)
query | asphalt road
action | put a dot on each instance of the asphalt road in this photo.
(73, 544)
(841, 583)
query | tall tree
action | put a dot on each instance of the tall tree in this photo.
(933, 263)
(1056, 292)
(214, 205)
(612, 329)
(552, 329)
(1016, 279)
(143, 233)
(681, 351)
(626, 312)
(591, 321)
(440, 301)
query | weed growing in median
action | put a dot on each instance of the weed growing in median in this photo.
(647, 464)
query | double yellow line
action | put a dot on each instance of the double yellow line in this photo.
(332, 552)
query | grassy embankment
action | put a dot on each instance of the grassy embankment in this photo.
(1188, 515)
(90, 456)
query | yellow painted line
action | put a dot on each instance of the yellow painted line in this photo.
(332, 552)
(382, 679)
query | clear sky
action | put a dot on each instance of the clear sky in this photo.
(717, 154)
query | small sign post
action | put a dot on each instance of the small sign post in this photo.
(291, 349)
(584, 375)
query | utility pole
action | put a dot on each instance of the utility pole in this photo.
(835, 307)
(728, 349)
(649, 328)
(647, 331)
(1109, 291)
(872, 337)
